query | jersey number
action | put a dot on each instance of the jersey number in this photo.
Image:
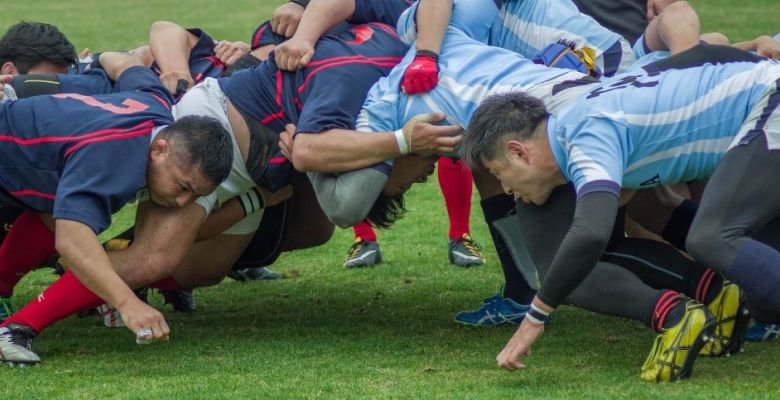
(129, 106)
(626, 81)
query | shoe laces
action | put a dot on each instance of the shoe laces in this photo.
(471, 245)
(21, 335)
(355, 248)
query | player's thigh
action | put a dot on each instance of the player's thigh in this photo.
(305, 225)
(208, 261)
(166, 233)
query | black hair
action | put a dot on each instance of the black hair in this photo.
(28, 44)
(246, 61)
(513, 114)
(204, 142)
(386, 210)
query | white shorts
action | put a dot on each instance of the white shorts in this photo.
(206, 99)
(764, 118)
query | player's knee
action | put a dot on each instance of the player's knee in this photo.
(679, 7)
(703, 242)
(715, 38)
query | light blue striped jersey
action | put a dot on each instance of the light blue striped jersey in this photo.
(469, 72)
(655, 128)
(777, 36)
(527, 26)
(472, 17)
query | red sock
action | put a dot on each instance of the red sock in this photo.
(27, 245)
(364, 231)
(65, 297)
(455, 182)
(168, 284)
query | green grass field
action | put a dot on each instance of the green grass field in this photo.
(328, 332)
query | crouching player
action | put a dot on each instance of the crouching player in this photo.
(77, 171)
(644, 130)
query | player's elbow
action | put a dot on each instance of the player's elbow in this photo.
(161, 26)
(304, 157)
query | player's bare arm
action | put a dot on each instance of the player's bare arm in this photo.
(79, 245)
(319, 16)
(341, 150)
(170, 45)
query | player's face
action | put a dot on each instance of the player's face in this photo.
(407, 170)
(172, 182)
(520, 178)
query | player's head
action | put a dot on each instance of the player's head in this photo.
(407, 170)
(188, 159)
(35, 48)
(507, 136)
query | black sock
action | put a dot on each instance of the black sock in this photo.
(665, 311)
(676, 229)
(515, 286)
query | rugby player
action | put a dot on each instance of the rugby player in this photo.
(51, 167)
(643, 130)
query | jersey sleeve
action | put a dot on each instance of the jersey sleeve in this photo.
(386, 11)
(380, 110)
(264, 35)
(596, 158)
(204, 47)
(142, 79)
(91, 82)
(99, 178)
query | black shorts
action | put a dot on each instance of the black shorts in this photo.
(267, 244)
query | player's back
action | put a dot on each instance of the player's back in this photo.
(345, 65)
(44, 133)
(675, 123)
(527, 26)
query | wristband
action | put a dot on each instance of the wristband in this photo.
(302, 3)
(428, 53)
(403, 145)
(537, 315)
(250, 201)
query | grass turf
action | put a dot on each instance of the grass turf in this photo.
(328, 332)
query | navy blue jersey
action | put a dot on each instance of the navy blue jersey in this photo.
(327, 94)
(203, 64)
(81, 157)
(264, 35)
(386, 11)
(329, 91)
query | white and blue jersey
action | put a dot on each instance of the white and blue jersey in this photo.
(469, 72)
(777, 37)
(662, 127)
(472, 17)
(528, 26)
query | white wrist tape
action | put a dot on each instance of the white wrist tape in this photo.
(403, 146)
(537, 315)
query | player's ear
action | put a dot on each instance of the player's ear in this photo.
(9, 68)
(516, 150)
(160, 150)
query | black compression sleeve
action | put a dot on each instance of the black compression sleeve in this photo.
(581, 248)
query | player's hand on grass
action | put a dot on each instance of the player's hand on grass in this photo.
(285, 19)
(139, 317)
(519, 345)
(425, 138)
(230, 52)
(85, 53)
(293, 54)
(286, 141)
(171, 81)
